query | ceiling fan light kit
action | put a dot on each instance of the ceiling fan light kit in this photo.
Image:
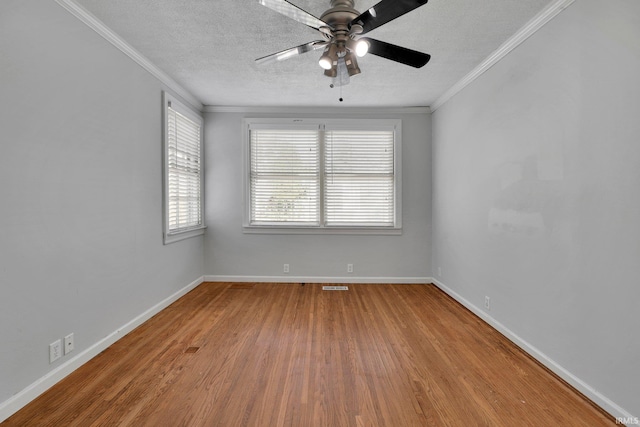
(329, 58)
(341, 28)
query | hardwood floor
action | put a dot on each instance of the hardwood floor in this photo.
(294, 355)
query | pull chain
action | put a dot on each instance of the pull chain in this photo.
(332, 86)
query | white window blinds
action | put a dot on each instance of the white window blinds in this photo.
(183, 170)
(359, 178)
(285, 168)
(329, 176)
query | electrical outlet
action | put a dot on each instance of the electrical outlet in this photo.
(68, 344)
(487, 303)
(439, 272)
(285, 268)
(55, 351)
(349, 268)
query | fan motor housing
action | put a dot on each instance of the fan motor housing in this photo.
(339, 17)
(341, 12)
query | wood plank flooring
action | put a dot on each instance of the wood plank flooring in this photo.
(295, 355)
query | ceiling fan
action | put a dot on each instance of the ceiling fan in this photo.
(342, 28)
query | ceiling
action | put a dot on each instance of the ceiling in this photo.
(209, 47)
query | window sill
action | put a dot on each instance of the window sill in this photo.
(322, 230)
(182, 235)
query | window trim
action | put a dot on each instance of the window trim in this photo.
(171, 236)
(322, 124)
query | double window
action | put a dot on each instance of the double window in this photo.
(333, 175)
(183, 172)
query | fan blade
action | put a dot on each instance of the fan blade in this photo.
(298, 50)
(395, 53)
(385, 11)
(293, 12)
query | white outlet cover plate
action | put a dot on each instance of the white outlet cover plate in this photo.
(55, 351)
(68, 344)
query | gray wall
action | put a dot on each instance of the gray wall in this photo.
(229, 252)
(535, 202)
(80, 202)
(536, 194)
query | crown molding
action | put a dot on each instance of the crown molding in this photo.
(99, 27)
(542, 18)
(316, 110)
(524, 33)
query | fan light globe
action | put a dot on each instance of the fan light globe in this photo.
(362, 47)
(325, 63)
(329, 57)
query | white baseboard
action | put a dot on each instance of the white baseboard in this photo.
(318, 279)
(22, 398)
(19, 400)
(584, 388)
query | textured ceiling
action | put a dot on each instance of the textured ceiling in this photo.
(209, 47)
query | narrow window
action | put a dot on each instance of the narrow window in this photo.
(183, 177)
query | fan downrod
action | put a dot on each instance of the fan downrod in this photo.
(342, 3)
